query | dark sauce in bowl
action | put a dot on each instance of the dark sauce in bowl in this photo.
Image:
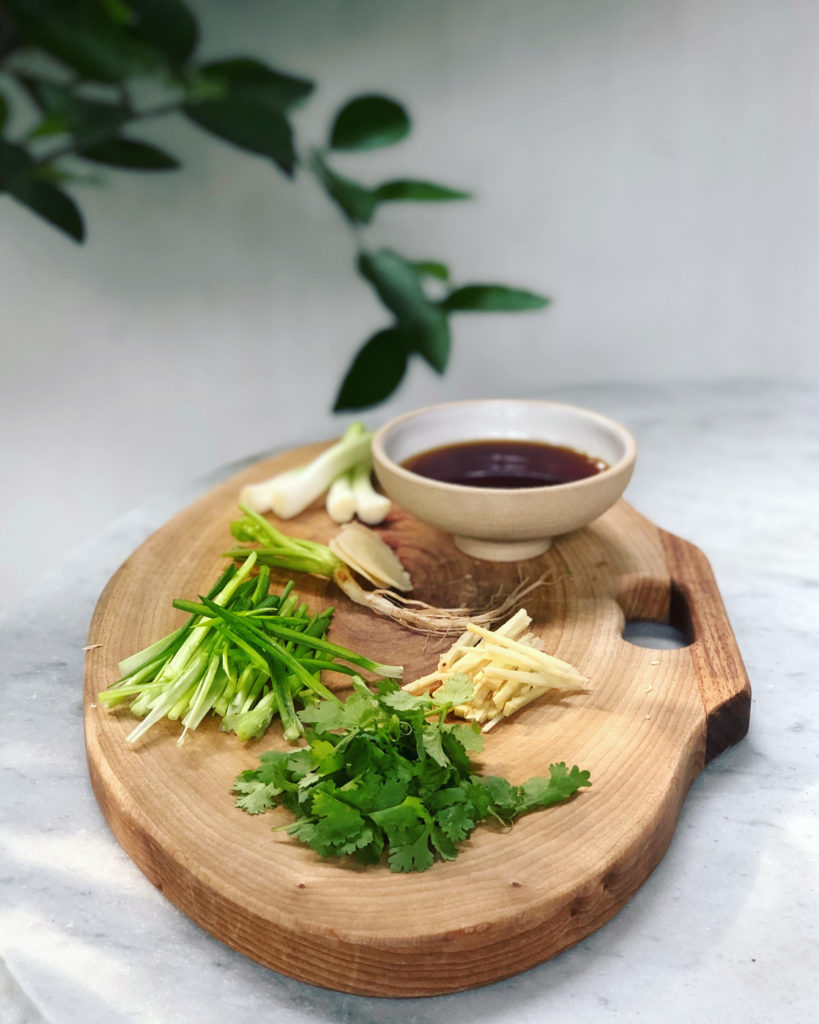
(504, 464)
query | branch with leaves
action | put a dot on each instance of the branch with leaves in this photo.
(85, 73)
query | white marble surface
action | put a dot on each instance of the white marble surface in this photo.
(725, 926)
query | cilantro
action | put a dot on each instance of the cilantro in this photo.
(386, 773)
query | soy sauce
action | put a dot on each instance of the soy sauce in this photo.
(504, 464)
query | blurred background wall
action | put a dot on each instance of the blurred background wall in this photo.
(653, 167)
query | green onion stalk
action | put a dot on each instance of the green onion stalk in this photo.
(244, 654)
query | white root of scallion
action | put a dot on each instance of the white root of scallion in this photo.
(288, 494)
(341, 499)
(370, 506)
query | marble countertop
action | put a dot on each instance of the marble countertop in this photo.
(724, 927)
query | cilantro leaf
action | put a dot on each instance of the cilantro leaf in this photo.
(561, 784)
(403, 701)
(503, 796)
(443, 844)
(255, 797)
(412, 856)
(340, 828)
(456, 690)
(456, 821)
(432, 739)
(384, 774)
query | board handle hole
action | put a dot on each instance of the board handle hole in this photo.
(662, 634)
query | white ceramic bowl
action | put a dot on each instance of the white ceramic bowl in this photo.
(504, 524)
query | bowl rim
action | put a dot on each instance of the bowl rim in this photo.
(380, 455)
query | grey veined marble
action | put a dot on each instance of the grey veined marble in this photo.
(726, 926)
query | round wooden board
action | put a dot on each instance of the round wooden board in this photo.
(645, 727)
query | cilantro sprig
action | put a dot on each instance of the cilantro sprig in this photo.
(385, 774)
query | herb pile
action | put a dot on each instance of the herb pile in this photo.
(385, 773)
(244, 654)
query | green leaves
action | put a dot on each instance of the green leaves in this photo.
(420, 328)
(87, 104)
(421, 324)
(495, 298)
(375, 372)
(247, 107)
(368, 122)
(19, 177)
(94, 39)
(418, 191)
(385, 773)
(167, 25)
(357, 203)
(254, 82)
(84, 118)
(131, 155)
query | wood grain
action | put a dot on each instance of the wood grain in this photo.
(644, 729)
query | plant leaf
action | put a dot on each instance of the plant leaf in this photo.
(84, 118)
(87, 37)
(475, 298)
(168, 25)
(368, 122)
(129, 154)
(357, 202)
(432, 341)
(13, 160)
(256, 83)
(375, 373)
(431, 268)
(424, 327)
(246, 107)
(20, 178)
(419, 191)
(4, 111)
(53, 205)
(249, 125)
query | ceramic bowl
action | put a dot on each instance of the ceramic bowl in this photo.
(504, 524)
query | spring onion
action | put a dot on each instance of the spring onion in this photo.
(341, 499)
(290, 493)
(370, 506)
(244, 655)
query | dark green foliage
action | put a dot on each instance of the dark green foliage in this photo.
(90, 55)
(368, 122)
(386, 773)
(167, 25)
(19, 177)
(249, 125)
(422, 324)
(495, 298)
(357, 203)
(419, 191)
(131, 155)
(96, 39)
(376, 371)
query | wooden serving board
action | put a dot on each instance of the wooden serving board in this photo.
(646, 726)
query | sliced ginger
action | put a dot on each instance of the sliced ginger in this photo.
(508, 669)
